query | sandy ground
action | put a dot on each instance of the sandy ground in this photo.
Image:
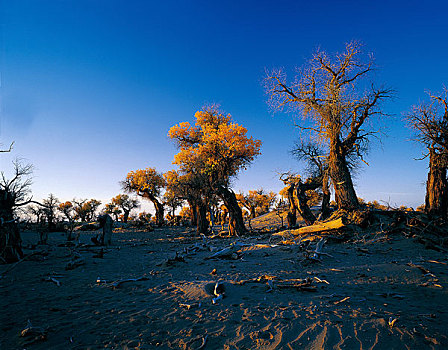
(378, 292)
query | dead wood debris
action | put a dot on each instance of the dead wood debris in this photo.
(53, 279)
(231, 252)
(118, 283)
(273, 282)
(341, 301)
(32, 333)
(315, 255)
(219, 291)
(76, 261)
(172, 261)
(319, 227)
(189, 306)
(432, 279)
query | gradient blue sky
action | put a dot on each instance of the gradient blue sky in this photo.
(89, 89)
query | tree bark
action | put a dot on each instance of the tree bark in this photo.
(236, 222)
(302, 200)
(292, 213)
(340, 176)
(194, 215)
(436, 201)
(201, 215)
(325, 207)
(160, 220)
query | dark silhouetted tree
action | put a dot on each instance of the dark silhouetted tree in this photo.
(126, 204)
(14, 193)
(430, 122)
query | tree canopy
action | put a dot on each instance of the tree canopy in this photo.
(214, 150)
(147, 183)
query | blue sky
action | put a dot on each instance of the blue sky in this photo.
(89, 89)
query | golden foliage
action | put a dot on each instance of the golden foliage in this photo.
(144, 182)
(215, 146)
(185, 213)
(257, 201)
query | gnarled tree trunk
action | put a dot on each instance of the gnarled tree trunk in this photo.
(10, 241)
(201, 217)
(325, 207)
(340, 176)
(160, 212)
(236, 222)
(436, 201)
(193, 212)
(292, 212)
(302, 199)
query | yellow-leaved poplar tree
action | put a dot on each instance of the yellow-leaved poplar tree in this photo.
(217, 148)
(147, 183)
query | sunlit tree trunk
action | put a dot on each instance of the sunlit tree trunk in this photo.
(302, 200)
(436, 201)
(236, 222)
(344, 190)
(160, 212)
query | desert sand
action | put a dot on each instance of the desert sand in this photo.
(376, 290)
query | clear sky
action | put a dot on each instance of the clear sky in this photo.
(89, 88)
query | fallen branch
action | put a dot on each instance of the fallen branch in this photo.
(54, 280)
(18, 262)
(30, 331)
(120, 282)
(227, 252)
(320, 227)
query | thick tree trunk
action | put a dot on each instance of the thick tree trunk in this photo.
(106, 223)
(292, 213)
(10, 241)
(160, 212)
(236, 222)
(126, 216)
(325, 207)
(302, 200)
(436, 201)
(194, 215)
(202, 222)
(340, 176)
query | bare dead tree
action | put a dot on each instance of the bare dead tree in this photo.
(327, 93)
(14, 193)
(430, 122)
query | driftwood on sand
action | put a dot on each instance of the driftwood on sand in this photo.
(320, 227)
